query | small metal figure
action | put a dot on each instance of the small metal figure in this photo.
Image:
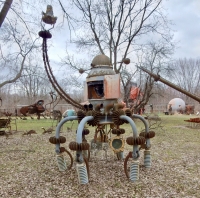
(48, 17)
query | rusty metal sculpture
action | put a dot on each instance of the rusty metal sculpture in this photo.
(49, 130)
(29, 132)
(36, 108)
(104, 112)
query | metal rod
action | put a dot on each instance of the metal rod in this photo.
(159, 78)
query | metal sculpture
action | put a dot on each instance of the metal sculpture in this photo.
(29, 132)
(7, 114)
(49, 130)
(36, 108)
(193, 122)
(105, 114)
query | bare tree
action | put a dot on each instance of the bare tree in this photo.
(185, 73)
(18, 39)
(4, 10)
(156, 58)
(33, 83)
(117, 28)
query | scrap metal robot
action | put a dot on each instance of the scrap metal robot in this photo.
(104, 113)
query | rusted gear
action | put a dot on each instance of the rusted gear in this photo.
(135, 141)
(74, 146)
(148, 135)
(81, 114)
(85, 132)
(59, 140)
(115, 131)
(96, 116)
(128, 112)
(45, 34)
(116, 117)
(122, 131)
(118, 131)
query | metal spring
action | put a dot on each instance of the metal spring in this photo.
(135, 141)
(134, 171)
(147, 159)
(61, 162)
(148, 135)
(74, 146)
(59, 140)
(82, 173)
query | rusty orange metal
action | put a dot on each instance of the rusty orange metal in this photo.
(111, 86)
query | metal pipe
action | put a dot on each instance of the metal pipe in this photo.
(81, 127)
(59, 127)
(79, 154)
(159, 78)
(81, 167)
(135, 134)
(146, 127)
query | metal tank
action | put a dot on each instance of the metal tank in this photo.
(177, 105)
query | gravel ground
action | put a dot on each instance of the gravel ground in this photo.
(28, 169)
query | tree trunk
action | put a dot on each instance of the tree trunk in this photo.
(4, 10)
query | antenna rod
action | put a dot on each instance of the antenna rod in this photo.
(159, 78)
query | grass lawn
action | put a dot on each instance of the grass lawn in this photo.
(28, 166)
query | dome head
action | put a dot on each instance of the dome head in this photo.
(101, 60)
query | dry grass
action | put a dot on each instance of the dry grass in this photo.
(28, 166)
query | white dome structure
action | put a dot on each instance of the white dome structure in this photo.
(177, 104)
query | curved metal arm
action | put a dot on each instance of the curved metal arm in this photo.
(63, 149)
(59, 127)
(125, 164)
(135, 134)
(146, 127)
(81, 125)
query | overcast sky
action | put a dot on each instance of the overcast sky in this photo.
(185, 15)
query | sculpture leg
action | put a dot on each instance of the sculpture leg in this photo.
(147, 159)
(134, 171)
(61, 162)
